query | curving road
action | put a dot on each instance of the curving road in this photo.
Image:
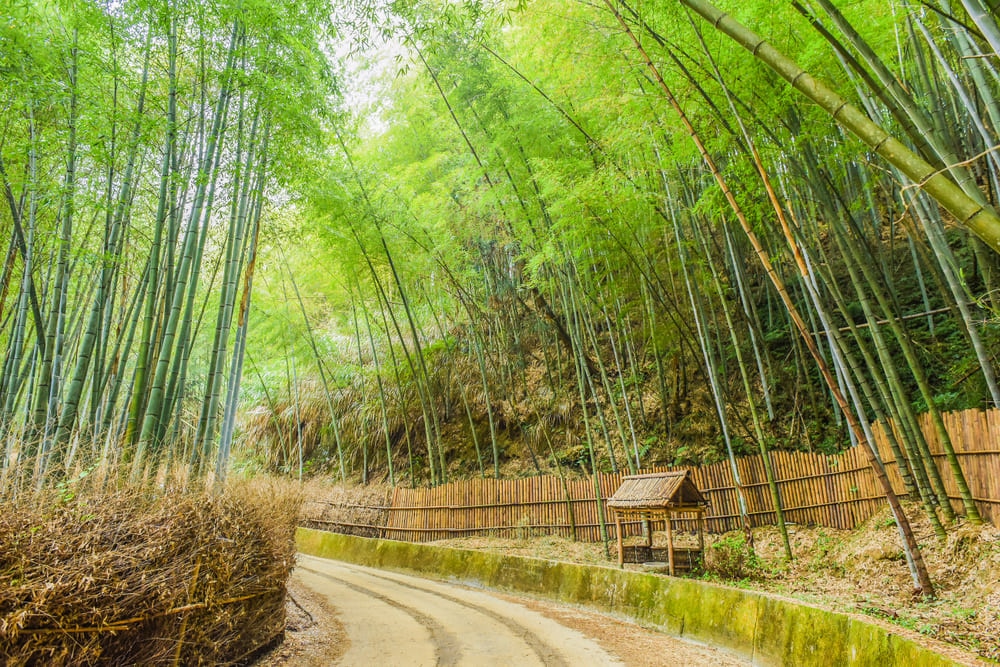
(395, 619)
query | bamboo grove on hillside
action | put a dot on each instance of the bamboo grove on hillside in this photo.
(602, 236)
(140, 148)
(580, 236)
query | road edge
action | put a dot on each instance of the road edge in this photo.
(766, 630)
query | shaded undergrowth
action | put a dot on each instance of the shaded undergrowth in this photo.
(126, 576)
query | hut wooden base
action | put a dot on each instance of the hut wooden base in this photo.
(686, 561)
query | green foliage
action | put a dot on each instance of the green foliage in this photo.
(822, 551)
(731, 558)
(104, 105)
(494, 184)
(494, 199)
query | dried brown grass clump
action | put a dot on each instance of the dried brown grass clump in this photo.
(123, 578)
(865, 571)
(345, 509)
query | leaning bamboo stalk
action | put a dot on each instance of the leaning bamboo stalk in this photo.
(382, 398)
(244, 182)
(985, 20)
(120, 220)
(239, 347)
(981, 219)
(147, 351)
(711, 367)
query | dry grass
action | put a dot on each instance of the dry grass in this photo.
(128, 578)
(337, 507)
(549, 547)
(864, 571)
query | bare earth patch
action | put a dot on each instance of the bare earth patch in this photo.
(636, 646)
(314, 636)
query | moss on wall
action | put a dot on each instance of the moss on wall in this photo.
(764, 629)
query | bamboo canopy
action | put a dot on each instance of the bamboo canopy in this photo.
(657, 497)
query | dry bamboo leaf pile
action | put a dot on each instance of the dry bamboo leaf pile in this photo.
(123, 579)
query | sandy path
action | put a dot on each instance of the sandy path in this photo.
(395, 619)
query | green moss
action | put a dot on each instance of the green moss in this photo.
(722, 616)
(798, 634)
(765, 629)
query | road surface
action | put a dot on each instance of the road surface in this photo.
(395, 619)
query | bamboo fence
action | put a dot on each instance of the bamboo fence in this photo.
(975, 435)
(837, 491)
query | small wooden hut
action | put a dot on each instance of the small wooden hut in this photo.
(658, 497)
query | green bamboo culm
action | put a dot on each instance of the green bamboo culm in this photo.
(981, 219)
(156, 412)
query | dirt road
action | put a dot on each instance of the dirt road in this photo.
(395, 619)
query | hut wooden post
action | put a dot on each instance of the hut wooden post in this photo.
(701, 532)
(621, 547)
(670, 546)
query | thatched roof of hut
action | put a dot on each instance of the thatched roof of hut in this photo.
(661, 490)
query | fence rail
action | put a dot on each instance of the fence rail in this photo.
(838, 491)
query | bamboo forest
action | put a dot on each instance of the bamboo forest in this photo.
(255, 253)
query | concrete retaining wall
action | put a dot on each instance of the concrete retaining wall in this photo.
(762, 628)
